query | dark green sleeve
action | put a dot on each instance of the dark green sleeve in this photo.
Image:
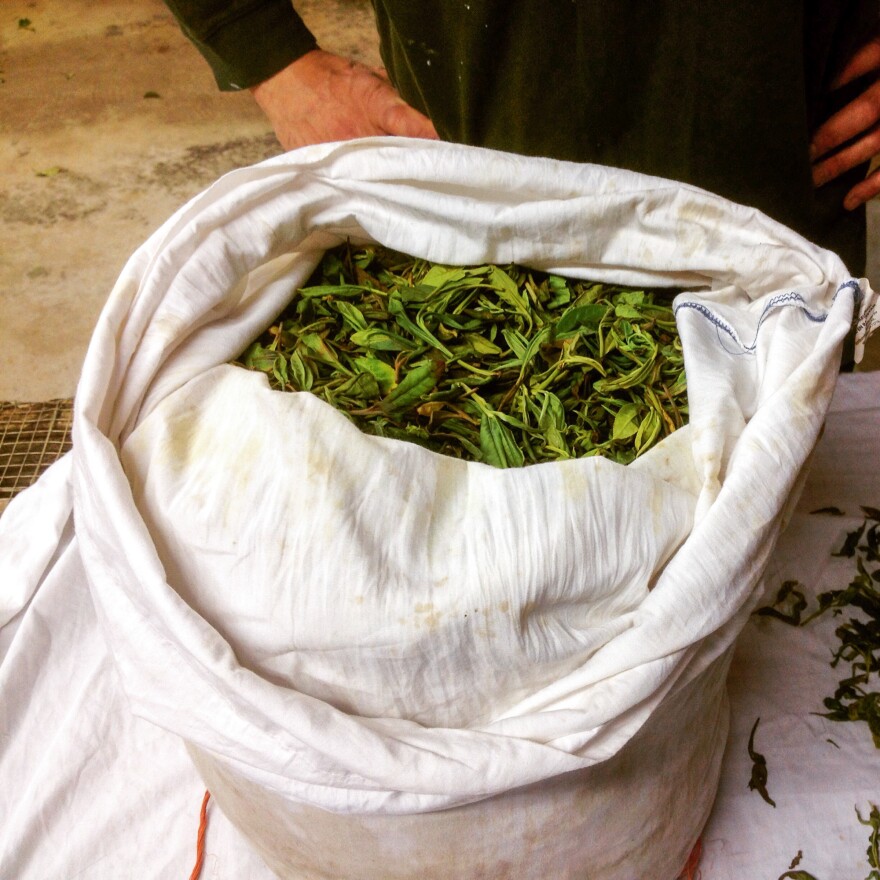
(244, 41)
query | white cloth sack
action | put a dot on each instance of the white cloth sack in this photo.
(389, 664)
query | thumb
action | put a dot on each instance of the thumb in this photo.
(402, 120)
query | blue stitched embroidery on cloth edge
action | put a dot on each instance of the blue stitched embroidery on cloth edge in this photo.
(781, 301)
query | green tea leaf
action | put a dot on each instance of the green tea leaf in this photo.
(352, 316)
(624, 310)
(279, 369)
(560, 290)
(626, 422)
(552, 422)
(497, 444)
(635, 377)
(418, 381)
(873, 851)
(508, 291)
(315, 343)
(649, 431)
(317, 291)
(797, 604)
(257, 357)
(758, 782)
(301, 376)
(518, 343)
(587, 317)
(397, 308)
(415, 294)
(383, 373)
(361, 387)
(481, 346)
(851, 543)
(382, 340)
(439, 276)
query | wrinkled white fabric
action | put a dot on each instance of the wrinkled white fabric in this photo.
(454, 591)
(291, 602)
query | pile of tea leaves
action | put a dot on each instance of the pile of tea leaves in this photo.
(503, 365)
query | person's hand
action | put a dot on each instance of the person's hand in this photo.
(323, 97)
(858, 122)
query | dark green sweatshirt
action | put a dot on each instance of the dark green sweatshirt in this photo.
(723, 95)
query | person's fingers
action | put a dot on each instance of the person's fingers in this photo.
(856, 117)
(863, 150)
(863, 191)
(864, 61)
(852, 135)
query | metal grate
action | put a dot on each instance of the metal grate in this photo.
(32, 436)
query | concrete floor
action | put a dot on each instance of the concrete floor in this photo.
(90, 166)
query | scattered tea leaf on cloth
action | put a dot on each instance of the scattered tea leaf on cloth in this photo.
(857, 697)
(758, 782)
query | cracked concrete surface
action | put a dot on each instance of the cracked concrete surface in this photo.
(110, 120)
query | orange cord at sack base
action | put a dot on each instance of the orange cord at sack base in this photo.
(200, 840)
(692, 867)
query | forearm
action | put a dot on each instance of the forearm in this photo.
(244, 41)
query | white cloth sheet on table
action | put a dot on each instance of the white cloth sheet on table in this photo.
(781, 674)
(87, 790)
